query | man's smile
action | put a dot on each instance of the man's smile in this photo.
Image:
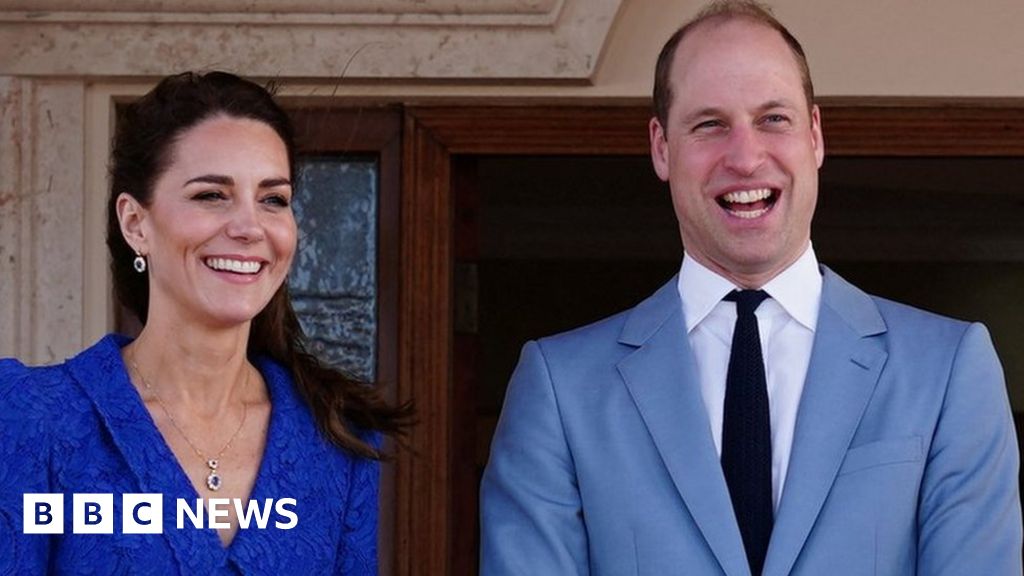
(748, 204)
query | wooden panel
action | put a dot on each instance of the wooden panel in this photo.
(539, 130)
(346, 130)
(425, 352)
(924, 131)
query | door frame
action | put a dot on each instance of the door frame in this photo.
(425, 524)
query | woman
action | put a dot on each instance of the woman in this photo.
(216, 398)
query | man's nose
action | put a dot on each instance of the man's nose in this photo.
(746, 151)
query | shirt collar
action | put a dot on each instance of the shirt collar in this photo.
(797, 289)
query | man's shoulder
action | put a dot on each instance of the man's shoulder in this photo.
(591, 350)
(875, 314)
(602, 333)
(900, 314)
(917, 335)
(627, 328)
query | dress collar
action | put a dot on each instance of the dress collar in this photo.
(101, 374)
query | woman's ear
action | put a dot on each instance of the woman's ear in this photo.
(132, 217)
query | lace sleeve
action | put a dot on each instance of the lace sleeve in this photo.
(357, 555)
(26, 418)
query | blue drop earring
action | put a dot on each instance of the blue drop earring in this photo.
(139, 263)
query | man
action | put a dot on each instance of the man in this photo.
(806, 428)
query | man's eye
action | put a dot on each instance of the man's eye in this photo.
(775, 119)
(707, 125)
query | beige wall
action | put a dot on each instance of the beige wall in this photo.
(918, 48)
(56, 100)
(907, 48)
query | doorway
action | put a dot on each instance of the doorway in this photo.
(521, 222)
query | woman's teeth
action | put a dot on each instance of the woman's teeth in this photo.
(236, 266)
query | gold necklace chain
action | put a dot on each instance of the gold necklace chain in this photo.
(213, 479)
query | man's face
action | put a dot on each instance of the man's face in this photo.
(740, 150)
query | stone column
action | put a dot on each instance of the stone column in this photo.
(42, 148)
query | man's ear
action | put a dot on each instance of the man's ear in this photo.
(132, 217)
(659, 148)
(818, 138)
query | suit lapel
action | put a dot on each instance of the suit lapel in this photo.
(844, 369)
(662, 380)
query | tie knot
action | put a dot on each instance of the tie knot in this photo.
(746, 301)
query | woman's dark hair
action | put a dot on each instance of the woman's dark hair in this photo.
(143, 145)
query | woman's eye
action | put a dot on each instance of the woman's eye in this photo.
(209, 195)
(276, 200)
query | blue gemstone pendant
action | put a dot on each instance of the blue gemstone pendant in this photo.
(213, 481)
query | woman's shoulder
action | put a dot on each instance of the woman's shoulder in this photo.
(39, 405)
(11, 367)
(27, 390)
(11, 370)
(33, 406)
(32, 392)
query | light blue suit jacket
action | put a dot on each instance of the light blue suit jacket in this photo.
(904, 460)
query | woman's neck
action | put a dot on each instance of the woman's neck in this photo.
(200, 369)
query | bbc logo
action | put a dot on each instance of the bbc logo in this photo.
(93, 513)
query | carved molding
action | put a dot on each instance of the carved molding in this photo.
(331, 6)
(11, 143)
(546, 40)
(381, 12)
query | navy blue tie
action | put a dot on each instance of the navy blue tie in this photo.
(746, 432)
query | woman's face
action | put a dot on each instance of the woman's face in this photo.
(219, 232)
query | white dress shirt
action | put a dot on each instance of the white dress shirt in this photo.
(786, 322)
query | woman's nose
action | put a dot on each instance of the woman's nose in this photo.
(245, 224)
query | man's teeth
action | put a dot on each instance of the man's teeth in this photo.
(236, 266)
(748, 213)
(747, 196)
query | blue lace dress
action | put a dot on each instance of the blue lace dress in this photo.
(81, 427)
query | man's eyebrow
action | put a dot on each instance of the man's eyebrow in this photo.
(711, 111)
(775, 104)
(701, 113)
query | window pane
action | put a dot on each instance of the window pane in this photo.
(333, 280)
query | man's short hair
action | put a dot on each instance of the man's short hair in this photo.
(722, 10)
